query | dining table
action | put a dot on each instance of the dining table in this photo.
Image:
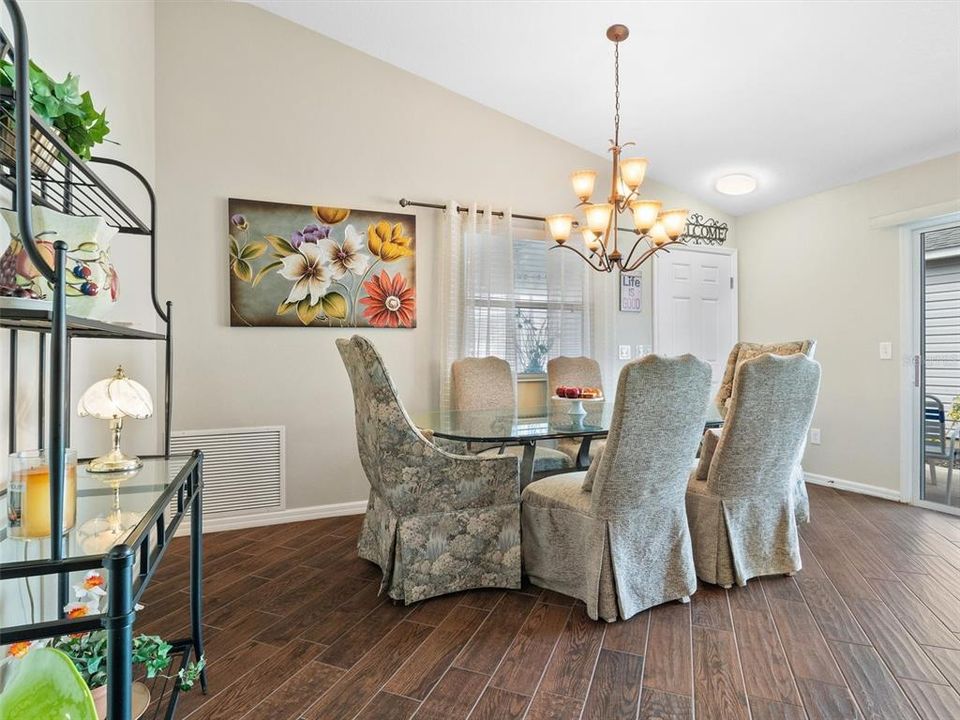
(558, 419)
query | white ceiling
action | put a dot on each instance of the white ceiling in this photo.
(805, 95)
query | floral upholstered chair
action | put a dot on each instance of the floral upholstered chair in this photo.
(436, 522)
(744, 351)
(487, 383)
(743, 515)
(616, 536)
(575, 372)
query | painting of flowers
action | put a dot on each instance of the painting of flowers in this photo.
(320, 266)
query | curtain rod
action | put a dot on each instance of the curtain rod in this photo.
(496, 213)
(700, 231)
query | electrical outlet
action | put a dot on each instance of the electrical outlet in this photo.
(624, 352)
(641, 350)
(886, 350)
(814, 436)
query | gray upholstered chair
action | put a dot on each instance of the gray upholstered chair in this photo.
(436, 522)
(743, 516)
(744, 351)
(616, 535)
(487, 383)
(575, 372)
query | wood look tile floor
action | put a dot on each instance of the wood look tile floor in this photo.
(869, 629)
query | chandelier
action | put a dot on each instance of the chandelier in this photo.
(656, 229)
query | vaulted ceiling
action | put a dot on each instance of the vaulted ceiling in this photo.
(805, 96)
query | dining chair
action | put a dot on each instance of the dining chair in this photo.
(486, 384)
(575, 372)
(938, 444)
(436, 522)
(743, 516)
(616, 535)
(744, 351)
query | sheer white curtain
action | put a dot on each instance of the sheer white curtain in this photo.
(477, 286)
(506, 293)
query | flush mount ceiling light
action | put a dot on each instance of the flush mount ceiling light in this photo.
(736, 184)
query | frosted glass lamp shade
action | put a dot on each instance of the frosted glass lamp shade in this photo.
(560, 226)
(116, 397)
(583, 181)
(598, 217)
(645, 214)
(632, 171)
(590, 240)
(674, 222)
(658, 235)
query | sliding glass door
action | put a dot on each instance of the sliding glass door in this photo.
(937, 366)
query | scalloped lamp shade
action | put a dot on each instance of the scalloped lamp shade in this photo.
(113, 399)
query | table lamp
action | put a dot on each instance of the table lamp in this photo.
(113, 399)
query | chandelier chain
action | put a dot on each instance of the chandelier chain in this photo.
(616, 87)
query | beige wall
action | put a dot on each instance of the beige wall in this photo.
(252, 106)
(815, 268)
(115, 62)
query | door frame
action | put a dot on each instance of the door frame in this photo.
(707, 250)
(911, 325)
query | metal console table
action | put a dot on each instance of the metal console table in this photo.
(163, 490)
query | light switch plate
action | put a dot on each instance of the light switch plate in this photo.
(814, 436)
(886, 350)
(624, 352)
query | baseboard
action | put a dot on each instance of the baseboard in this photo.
(277, 517)
(851, 486)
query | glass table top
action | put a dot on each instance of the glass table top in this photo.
(108, 507)
(545, 423)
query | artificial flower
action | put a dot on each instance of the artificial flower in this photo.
(311, 234)
(390, 303)
(19, 649)
(80, 609)
(345, 257)
(91, 587)
(310, 277)
(239, 222)
(330, 215)
(388, 243)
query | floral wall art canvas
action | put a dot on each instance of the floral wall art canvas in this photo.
(319, 266)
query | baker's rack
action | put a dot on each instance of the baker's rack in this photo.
(39, 168)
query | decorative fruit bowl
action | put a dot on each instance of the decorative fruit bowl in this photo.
(577, 396)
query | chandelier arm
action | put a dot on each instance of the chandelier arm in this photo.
(585, 258)
(652, 251)
(643, 258)
(634, 248)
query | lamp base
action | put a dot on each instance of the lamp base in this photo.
(114, 461)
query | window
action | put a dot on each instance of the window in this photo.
(525, 308)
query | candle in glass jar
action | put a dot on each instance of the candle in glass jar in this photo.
(29, 499)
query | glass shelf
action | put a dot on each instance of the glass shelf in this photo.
(109, 508)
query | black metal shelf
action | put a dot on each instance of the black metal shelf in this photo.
(59, 179)
(39, 169)
(19, 315)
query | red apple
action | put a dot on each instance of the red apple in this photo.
(561, 391)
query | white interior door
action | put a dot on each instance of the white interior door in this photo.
(695, 305)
